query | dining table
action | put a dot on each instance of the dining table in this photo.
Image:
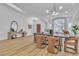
(61, 36)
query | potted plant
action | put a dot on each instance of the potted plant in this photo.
(75, 29)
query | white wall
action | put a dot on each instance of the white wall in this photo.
(6, 16)
(34, 23)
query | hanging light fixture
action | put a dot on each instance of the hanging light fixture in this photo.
(53, 10)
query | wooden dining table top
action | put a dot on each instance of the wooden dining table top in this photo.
(61, 35)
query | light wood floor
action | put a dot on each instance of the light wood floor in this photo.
(25, 47)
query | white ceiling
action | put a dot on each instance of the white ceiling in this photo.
(38, 9)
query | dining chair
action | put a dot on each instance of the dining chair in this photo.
(35, 35)
(53, 44)
(40, 41)
(72, 44)
(66, 32)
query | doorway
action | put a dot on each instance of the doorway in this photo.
(38, 29)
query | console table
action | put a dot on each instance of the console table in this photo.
(13, 35)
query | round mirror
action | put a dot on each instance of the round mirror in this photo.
(14, 26)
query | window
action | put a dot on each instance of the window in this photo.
(59, 25)
(69, 26)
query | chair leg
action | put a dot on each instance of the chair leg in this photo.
(76, 47)
(64, 46)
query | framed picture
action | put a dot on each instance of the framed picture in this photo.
(14, 26)
(29, 26)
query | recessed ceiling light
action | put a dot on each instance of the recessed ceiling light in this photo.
(47, 11)
(60, 7)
